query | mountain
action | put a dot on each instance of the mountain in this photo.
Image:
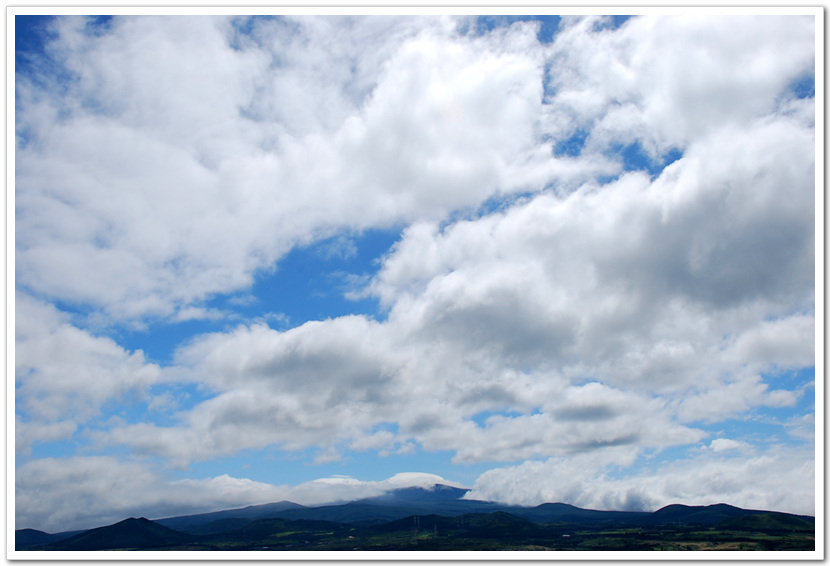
(418, 495)
(574, 529)
(405, 515)
(440, 500)
(194, 523)
(129, 534)
(395, 504)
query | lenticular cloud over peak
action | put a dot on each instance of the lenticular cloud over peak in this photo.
(322, 258)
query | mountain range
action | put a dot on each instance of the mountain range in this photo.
(393, 519)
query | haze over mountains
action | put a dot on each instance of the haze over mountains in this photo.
(416, 509)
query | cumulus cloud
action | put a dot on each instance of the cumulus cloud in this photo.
(661, 291)
(169, 201)
(667, 81)
(64, 375)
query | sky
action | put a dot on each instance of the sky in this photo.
(316, 258)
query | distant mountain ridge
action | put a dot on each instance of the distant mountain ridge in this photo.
(439, 507)
(251, 512)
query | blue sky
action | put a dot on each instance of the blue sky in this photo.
(317, 258)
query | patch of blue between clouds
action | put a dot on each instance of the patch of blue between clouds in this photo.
(481, 418)
(31, 34)
(768, 425)
(571, 146)
(159, 339)
(760, 429)
(244, 30)
(611, 22)
(162, 403)
(652, 459)
(494, 204)
(634, 158)
(547, 30)
(57, 449)
(632, 155)
(757, 428)
(316, 282)
(319, 281)
(159, 407)
(804, 86)
(98, 25)
(34, 63)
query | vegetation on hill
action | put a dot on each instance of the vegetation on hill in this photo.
(476, 531)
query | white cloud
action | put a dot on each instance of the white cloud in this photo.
(786, 342)
(340, 247)
(661, 291)
(779, 479)
(64, 375)
(727, 444)
(802, 426)
(169, 201)
(85, 492)
(668, 81)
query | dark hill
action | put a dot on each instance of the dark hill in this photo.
(564, 513)
(129, 534)
(25, 539)
(768, 523)
(699, 515)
